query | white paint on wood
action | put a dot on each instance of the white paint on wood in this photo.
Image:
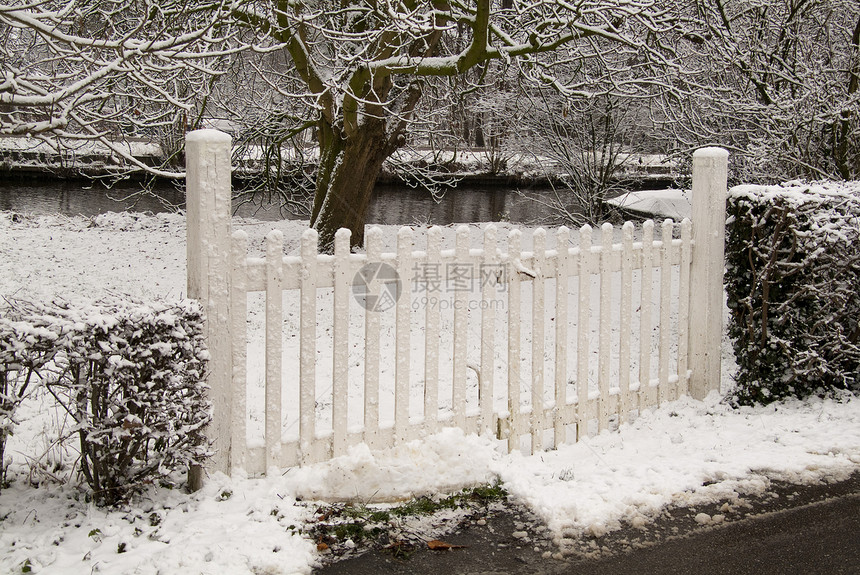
(626, 322)
(431, 334)
(710, 172)
(684, 318)
(239, 313)
(645, 319)
(461, 329)
(604, 341)
(665, 394)
(538, 334)
(583, 332)
(373, 240)
(274, 346)
(489, 277)
(340, 342)
(514, 340)
(307, 346)
(207, 156)
(562, 238)
(402, 336)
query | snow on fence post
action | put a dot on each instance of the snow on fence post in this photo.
(710, 169)
(207, 199)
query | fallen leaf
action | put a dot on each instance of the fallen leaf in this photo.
(437, 545)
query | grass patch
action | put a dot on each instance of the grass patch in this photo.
(345, 528)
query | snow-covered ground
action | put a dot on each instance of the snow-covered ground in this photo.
(252, 525)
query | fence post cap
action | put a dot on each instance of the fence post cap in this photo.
(711, 152)
(207, 135)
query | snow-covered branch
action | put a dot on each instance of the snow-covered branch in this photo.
(109, 69)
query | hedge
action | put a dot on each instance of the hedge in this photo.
(793, 285)
(129, 374)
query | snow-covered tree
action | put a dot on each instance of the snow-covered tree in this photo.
(109, 70)
(357, 75)
(778, 82)
(363, 67)
(588, 144)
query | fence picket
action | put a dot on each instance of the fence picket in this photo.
(274, 330)
(432, 286)
(373, 240)
(514, 338)
(684, 307)
(239, 327)
(582, 408)
(604, 341)
(626, 316)
(488, 278)
(665, 393)
(340, 343)
(402, 336)
(646, 276)
(538, 334)
(562, 237)
(460, 283)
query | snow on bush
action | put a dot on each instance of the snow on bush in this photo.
(130, 375)
(793, 271)
(25, 347)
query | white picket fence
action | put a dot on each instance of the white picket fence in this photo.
(522, 355)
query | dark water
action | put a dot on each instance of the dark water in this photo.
(463, 204)
(390, 205)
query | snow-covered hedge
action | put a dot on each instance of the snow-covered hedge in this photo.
(129, 374)
(25, 348)
(793, 283)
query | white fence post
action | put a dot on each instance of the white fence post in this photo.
(710, 169)
(207, 198)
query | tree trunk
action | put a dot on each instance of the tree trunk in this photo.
(844, 162)
(349, 168)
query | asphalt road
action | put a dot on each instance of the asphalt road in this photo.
(816, 538)
(803, 530)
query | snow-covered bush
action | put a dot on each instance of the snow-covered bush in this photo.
(25, 347)
(793, 273)
(130, 375)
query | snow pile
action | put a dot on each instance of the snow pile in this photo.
(404, 472)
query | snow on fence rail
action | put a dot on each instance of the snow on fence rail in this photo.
(368, 356)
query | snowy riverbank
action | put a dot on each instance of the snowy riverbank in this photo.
(20, 155)
(685, 453)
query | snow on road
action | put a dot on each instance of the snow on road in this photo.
(687, 452)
